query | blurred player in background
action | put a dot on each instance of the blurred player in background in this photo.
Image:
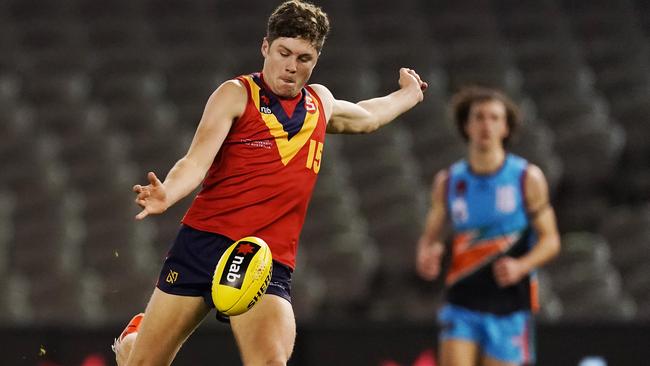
(257, 152)
(503, 229)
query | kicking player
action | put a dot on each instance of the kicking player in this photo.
(257, 152)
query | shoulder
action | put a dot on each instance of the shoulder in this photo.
(322, 91)
(442, 176)
(439, 189)
(326, 97)
(440, 182)
(534, 174)
(231, 96)
(535, 182)
(233, 86)
(231, 90)
(458, 167)
(517, 161)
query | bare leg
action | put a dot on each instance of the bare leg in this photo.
(266, 333)
(123, 349)
(489, 361)
(168, 322)
(458, 352)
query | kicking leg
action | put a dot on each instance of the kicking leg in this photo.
(123, 344)
(168, 322)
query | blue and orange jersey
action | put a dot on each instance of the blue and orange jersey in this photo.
(262, 179)
(489, 218)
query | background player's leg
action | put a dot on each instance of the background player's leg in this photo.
(266, 333)
(489, 361)
(458, 352)
(168, 321)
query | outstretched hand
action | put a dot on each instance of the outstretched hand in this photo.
(152, 197)
(408, 77)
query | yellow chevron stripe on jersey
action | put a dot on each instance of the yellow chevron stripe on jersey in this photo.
(288, 148)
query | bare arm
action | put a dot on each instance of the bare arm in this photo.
(224, 105)
(369, 115)
(510, 270)
(430, 246)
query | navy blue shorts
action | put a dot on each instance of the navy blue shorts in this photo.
(189, 266)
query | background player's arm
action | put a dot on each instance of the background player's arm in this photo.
(224, 105)
(430, 246)
(509, 270)
(369, 115)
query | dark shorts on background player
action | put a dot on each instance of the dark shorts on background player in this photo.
(192, 259)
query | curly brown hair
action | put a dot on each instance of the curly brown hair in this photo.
(299, 19)
(462, 101)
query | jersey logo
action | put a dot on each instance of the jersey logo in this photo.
(172, 276)
(309, 104)
(471, 253)
(461, 188)
(506, 201)
(237, 264)
(459, 212)
(290, 133)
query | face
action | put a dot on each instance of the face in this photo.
(487, 124)
(288, 64)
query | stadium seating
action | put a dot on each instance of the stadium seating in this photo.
(337, 250)
(589, 286)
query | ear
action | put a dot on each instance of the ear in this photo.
(265, 47)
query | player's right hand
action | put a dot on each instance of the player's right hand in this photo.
(152, 197)
(428, 260)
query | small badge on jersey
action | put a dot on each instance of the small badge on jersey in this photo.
(459, 212)
(309, 104)
(461, 188)
(265, 102)
(506, 200)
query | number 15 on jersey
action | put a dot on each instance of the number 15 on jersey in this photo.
(314, 156)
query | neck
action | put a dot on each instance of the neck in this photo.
(486, 161)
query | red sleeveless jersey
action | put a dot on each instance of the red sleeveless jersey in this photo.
(262, 179)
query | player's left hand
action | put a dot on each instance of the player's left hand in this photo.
(408, 77)
(508, 271)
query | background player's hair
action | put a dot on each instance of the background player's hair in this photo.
(462, 101)
(298, 19)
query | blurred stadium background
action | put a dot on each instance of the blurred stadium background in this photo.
(93, 94)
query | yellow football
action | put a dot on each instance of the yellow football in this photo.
(242, 276)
